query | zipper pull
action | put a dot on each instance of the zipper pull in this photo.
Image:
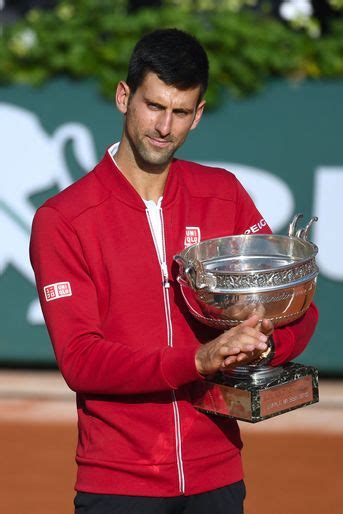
(166, 283)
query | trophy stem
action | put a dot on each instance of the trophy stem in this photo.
(254, 373)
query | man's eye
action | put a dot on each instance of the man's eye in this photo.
(154, 107)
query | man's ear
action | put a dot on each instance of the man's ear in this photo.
(198, 114)
(122, 96)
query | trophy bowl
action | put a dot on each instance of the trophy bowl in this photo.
(225, 280)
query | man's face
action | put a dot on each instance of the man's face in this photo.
(158, 119)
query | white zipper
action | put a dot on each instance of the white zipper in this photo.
(166, 286)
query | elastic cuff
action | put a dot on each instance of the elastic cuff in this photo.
(284, 342)
(178, 366)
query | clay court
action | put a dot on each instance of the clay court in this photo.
(292, 462)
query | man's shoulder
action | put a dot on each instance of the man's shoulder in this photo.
(205, 180)
(85, 193)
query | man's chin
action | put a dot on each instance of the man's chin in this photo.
(157, 158)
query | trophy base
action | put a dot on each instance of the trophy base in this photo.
(260, 394)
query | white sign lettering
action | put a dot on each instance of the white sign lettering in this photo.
(33, 161)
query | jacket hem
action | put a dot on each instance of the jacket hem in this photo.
(159, 480)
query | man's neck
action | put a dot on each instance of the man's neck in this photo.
(149, 183)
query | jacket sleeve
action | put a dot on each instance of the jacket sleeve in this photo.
(89, 362)
(291, 340)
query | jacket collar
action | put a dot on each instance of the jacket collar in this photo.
(113, 179)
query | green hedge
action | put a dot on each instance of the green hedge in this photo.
(86, 38)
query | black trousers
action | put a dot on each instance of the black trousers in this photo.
(226, 500)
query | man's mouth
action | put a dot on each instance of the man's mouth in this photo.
(158, 142)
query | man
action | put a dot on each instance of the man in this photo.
(102, 251)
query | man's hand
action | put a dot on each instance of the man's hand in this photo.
(239, 345)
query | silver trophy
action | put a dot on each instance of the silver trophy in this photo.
(223, 282)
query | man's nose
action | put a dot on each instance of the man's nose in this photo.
(164, 123)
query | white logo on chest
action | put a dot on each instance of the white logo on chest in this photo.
(192, 236)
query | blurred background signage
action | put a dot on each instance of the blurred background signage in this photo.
(284, 144)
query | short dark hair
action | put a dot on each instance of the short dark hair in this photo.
(176, 57)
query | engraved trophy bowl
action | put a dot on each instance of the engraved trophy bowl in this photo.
(225, 280)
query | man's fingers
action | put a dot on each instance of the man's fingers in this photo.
(243, 331)
(254, 321)
(241, 358)
(247, 357)
(251, 321)
(229, 350)
(243, 340)
(250, 336)
(246, 346)
(267, 327)
(229, 361)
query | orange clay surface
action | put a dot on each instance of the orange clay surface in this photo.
(293, 463)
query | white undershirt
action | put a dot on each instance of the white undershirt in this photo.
(155, 219)
(153, 208)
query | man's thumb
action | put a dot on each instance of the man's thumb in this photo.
(252, 321)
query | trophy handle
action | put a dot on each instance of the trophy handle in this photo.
(301, 233)
(306, 230)
(195, 274)
(187, 272)
(180, 260)
(293, 225)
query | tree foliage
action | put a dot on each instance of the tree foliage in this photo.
(89, 38)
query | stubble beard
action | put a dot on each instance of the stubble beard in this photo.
(149, 156)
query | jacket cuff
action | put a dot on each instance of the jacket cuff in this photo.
(284, 342)
(178, 366)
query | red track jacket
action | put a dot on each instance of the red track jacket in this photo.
(125, 341)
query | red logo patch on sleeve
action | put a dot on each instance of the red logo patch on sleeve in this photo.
(58, 290)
